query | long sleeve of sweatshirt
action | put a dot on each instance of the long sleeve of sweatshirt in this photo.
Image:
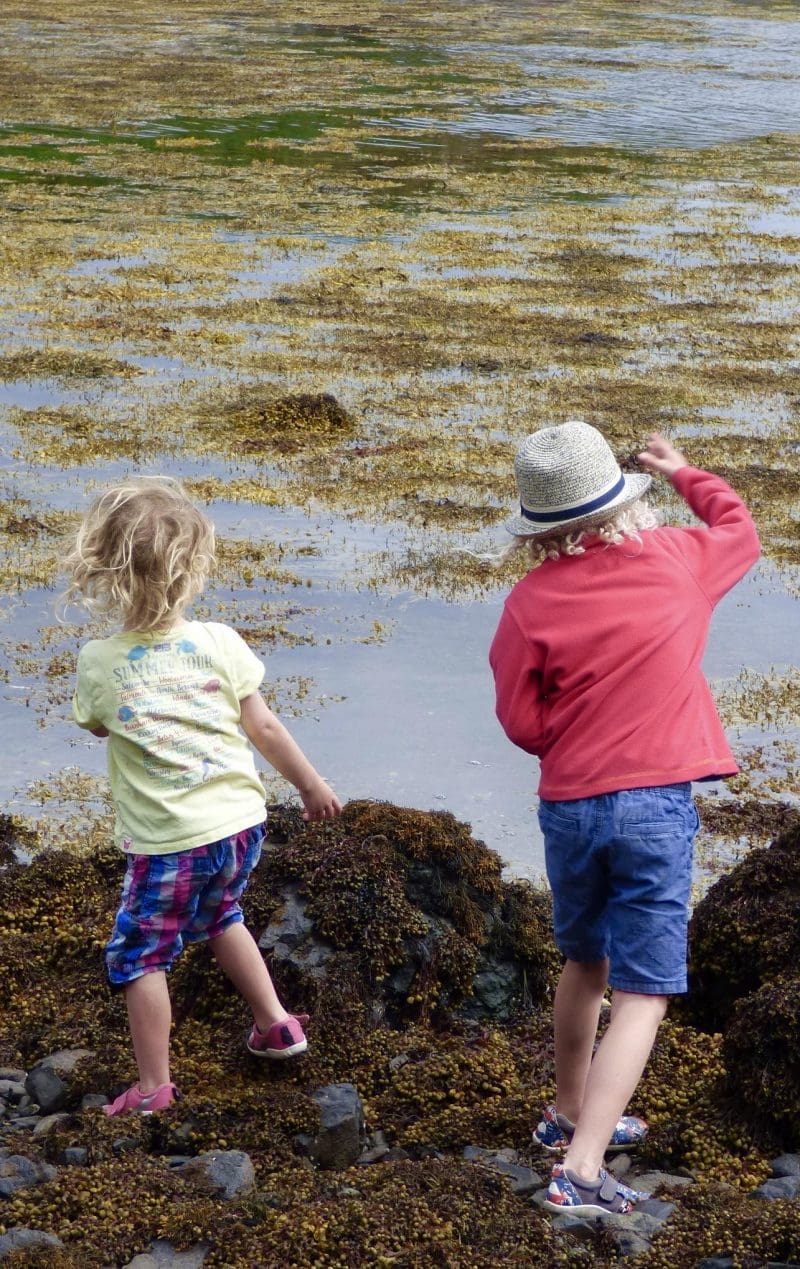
(721, 550)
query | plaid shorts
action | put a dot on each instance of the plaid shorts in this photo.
(185, 897)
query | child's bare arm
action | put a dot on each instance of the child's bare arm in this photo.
(269, 736)
(662, 457)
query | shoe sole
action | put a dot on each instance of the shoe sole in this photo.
(579, 1209)
(278, 1054)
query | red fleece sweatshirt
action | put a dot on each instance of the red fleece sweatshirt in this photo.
(597, 656)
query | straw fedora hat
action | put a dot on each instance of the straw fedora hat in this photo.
(568, 479)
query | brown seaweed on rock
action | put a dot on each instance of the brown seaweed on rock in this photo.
(746, 931)
(396, 928)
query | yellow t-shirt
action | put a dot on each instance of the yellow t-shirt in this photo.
(182, 773)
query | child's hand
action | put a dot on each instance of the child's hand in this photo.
(320, 801)
(662, 457)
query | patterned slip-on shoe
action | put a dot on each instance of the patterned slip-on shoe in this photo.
(568, 1192)
(282, 1040)
(554, 1132)
(133, 1100)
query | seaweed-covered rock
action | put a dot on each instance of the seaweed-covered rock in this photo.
(409, 911)
(761, 1049)
(746, 931)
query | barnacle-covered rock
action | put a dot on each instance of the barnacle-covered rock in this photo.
(746, 931)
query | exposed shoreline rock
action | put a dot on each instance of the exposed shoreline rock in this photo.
(404, 1135)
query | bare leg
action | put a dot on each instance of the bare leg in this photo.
(613, 1075)
(238, 956)
(576, 1012)
(150, 1018)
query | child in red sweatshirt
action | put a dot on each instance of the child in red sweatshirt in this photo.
(596, 662)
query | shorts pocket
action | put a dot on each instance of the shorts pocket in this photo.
(563, 815)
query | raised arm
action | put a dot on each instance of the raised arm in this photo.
(269, 736)
(720, 553)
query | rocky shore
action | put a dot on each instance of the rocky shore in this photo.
(403, 1137)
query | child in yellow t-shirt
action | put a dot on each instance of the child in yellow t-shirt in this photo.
(171, 696)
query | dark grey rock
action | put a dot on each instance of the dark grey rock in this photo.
(289, 925)
(48, 1081)
(46, 1087)
(348, 1191)
(25, 1121)
(523, 1180)
(48, 1122)
(162, 1255)
(75, 1155)
(629, 1243)
(786, 1165)
(402, 978)
(19, 1238)
(715, 1262)
(641, 1223)
(18, 1173)
(12, 1090)
(338, 1142)
(229, 1173)
(178, 1160)
(496, 987)
(64, 1061)
(14, 1073)
(93, 1101)
(649, 1182)
(25, 1106)
(782, 1187)
(581, 1228)
(659, 1208)
(374, 1155)
(397, 1155)
(123, 1145)
(399, 1061)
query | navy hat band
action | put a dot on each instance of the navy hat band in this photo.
(574, 513)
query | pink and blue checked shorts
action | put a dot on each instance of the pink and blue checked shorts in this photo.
(185, 897)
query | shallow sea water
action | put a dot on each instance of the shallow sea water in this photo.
(403, 709)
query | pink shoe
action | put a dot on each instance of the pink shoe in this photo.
(282, 1040)
(143, 1103)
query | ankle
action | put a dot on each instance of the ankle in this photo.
(568, 1111)
(264, 1021)
(584, 1168)
(148, 1087)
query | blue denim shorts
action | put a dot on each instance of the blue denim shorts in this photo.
(620, 868)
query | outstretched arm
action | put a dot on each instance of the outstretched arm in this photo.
(269, 736)
(722, 551)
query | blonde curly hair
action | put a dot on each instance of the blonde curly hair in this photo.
(141, 555)
(626, 525)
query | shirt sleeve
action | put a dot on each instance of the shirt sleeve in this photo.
(246, 669)
(518, 685)
(719, 554)
(83, 700)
